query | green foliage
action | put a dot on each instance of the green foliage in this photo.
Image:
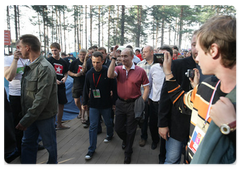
(140, 22)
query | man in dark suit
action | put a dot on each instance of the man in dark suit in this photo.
(173, 126)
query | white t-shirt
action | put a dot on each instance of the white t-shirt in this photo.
(156, 79)
(15, 84)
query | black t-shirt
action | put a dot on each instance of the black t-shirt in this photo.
(76, 67)
(104, 85)
(60, 66)
(69, 60)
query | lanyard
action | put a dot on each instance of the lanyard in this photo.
(22, 62)
(97, 81)
(210, 103)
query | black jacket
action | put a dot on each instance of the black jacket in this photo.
(170, 116)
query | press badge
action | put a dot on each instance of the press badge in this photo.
(196, 139)
(96, 93)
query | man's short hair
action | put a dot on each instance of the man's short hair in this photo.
(32, 41)
(222, 31)
(55, 45)
(175, 47)
(130, 51)
(63, 54)
(102, 48)
(83, 50)
(168, 48)
(137, 50)
(97, 54)
(129, 46)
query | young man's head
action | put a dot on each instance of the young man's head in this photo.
(95, 48)
(82, 54)
(63, 55)
(97, 61)
(166, 48)
(55, 49)
(175, 54)
(103, 51)
(29, 43)
(216, 40)
(137, 51)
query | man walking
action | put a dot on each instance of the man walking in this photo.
(77, 70)
(100, 100)
(61, 69)
(129, 81)
(39, 101)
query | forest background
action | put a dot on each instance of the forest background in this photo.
(81, 26)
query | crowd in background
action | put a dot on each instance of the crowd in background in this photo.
(174, 93)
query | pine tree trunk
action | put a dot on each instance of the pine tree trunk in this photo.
(122, 25)
(16, 23)
(180, 30)
(109, 19)
(91, 25)
(86, 26)
(99, 14)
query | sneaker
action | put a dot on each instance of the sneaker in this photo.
(89, 155)
(85, 126)
(107, 139)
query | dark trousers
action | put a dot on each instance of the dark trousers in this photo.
(125, 124)
(144, 125)
(162, 154)
(153, 121)
(15, 104)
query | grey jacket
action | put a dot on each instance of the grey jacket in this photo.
(38, 92)
(139, 107)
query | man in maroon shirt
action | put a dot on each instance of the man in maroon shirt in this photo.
(129, 80)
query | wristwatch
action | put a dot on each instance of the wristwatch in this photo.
(227, 128)
(114, 58)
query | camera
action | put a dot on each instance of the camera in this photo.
(190, 73)
(158, 58)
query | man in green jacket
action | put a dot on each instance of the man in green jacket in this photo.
(39, 101)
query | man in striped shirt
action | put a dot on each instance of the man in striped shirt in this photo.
(216, 45)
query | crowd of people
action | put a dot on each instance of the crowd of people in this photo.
(188, 103)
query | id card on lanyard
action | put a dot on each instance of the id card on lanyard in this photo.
(198, 133)
(96, 92)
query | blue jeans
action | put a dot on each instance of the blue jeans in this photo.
(173, 151)
(30, 141)
(94, 115)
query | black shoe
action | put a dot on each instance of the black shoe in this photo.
(154, 145)
(123, 145)
(127, 160)
(89, 155)
(40, 147)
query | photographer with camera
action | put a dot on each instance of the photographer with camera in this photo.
(173, 126)
(216, 45)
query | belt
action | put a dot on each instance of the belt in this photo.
(127, 100)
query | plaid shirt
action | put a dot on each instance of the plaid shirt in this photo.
(144, 64)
